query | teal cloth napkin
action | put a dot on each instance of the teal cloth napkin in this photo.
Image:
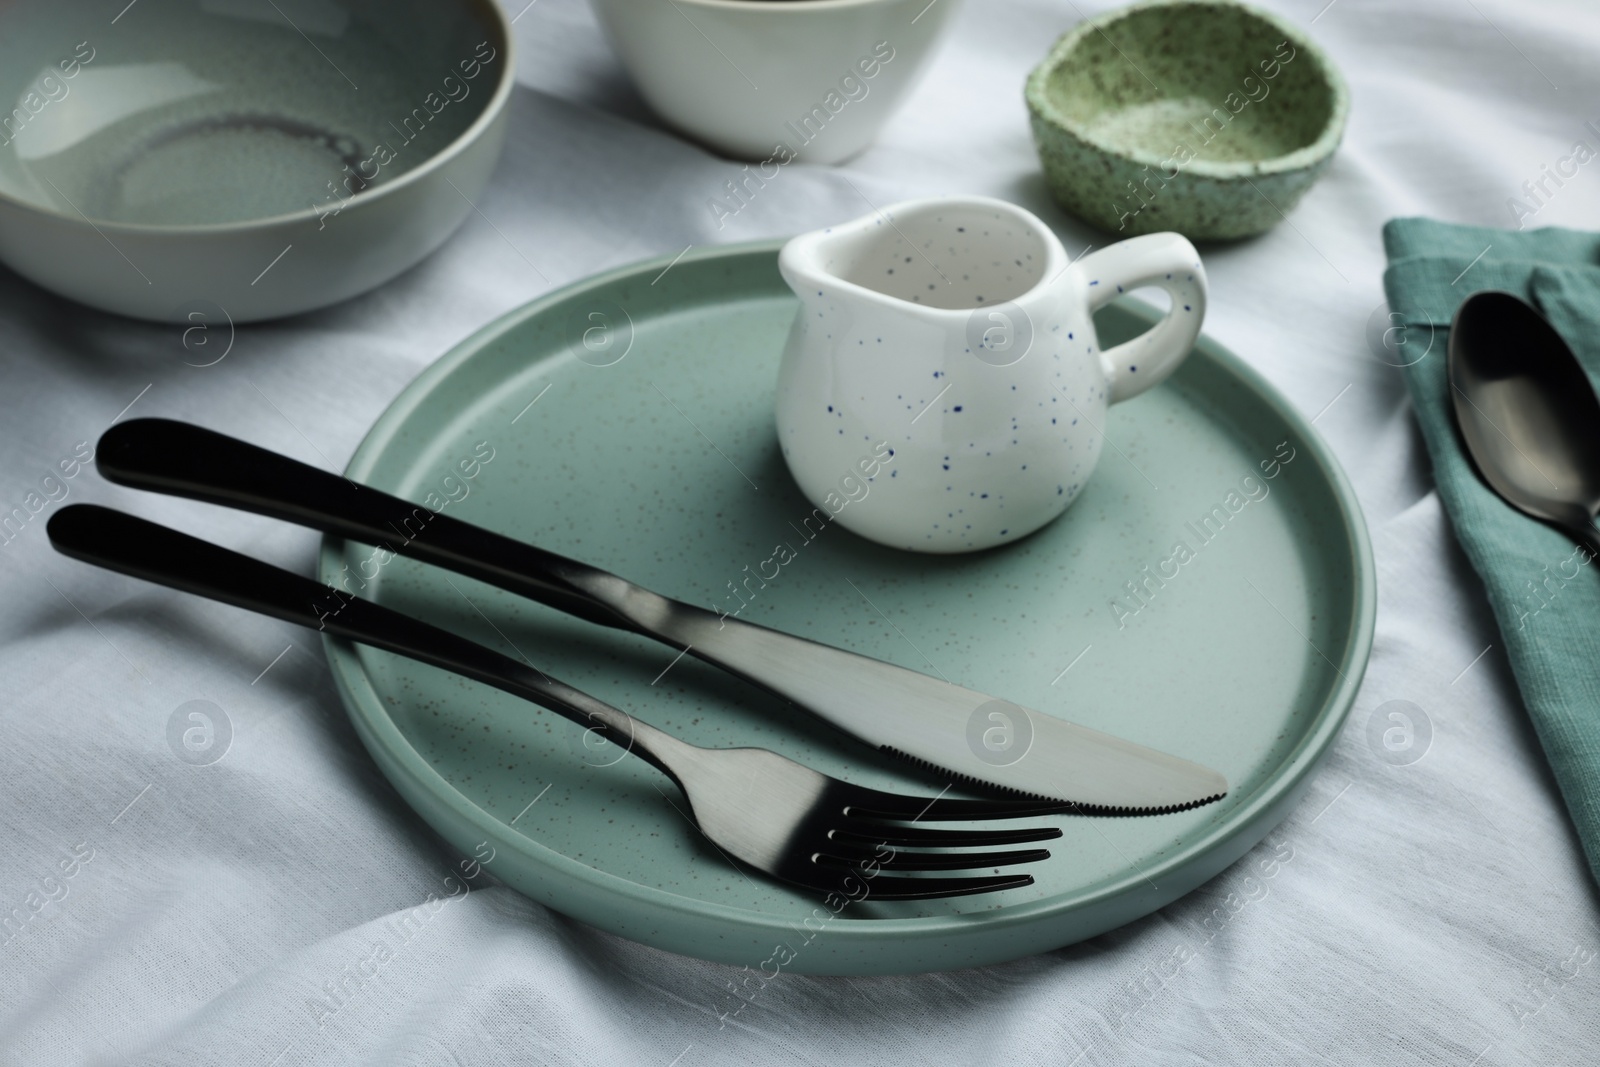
(1544, 590)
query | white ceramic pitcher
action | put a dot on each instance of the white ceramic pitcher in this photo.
(942, 389)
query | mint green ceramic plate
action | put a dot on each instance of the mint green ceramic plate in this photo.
(627, 421)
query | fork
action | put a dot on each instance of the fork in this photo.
(772, 813)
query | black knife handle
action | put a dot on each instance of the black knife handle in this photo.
(133, 546)
(180, 459)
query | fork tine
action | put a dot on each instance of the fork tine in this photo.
(921, 837)
(887, 887)
(937, 861)
(851, 836)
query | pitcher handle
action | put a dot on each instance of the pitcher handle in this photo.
(1166, 260)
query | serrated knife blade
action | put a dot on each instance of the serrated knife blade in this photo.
(961, 732)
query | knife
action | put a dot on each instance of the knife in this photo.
(958, 732)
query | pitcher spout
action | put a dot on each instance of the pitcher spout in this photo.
(940, 254)
(811, 262)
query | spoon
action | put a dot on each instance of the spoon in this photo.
(1528, 412)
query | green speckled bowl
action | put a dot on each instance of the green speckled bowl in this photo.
(1208, 117)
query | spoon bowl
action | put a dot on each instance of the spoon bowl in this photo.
(1527, 411)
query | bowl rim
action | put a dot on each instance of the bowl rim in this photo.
(1043, 108)
(494, 17)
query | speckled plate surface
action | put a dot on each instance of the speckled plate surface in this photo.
(627, 421)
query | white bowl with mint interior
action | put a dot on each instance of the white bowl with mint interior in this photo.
(242, 158)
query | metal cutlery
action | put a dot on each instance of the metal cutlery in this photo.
(926, 720)
(1527, 411)
(770, 812)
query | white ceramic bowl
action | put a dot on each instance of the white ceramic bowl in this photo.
(253, 157)
(772, 81)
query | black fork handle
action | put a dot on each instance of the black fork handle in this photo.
(143, 549)
(181, 459)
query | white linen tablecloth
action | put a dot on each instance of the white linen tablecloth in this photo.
(1437, 913)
